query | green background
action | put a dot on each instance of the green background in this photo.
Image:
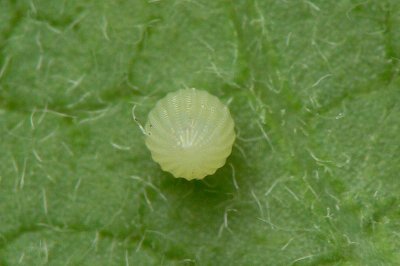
(313, 87)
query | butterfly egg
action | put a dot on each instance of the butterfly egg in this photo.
(190, 133)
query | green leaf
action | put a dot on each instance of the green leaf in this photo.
(313, 177)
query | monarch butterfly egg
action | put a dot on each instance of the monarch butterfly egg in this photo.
(190, 133)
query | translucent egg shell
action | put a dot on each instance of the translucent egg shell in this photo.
(190, 133)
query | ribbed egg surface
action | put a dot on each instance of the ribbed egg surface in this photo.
(190, 133)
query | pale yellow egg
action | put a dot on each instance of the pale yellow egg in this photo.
(190, 133)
